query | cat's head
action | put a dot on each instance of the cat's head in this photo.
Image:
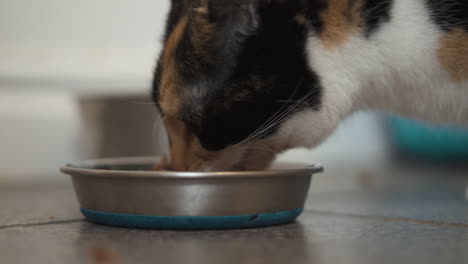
(231, 75)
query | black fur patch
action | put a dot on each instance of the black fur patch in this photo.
(449, 14)
(375, 13)
(248, 73)
(312, 11)
(155, 84)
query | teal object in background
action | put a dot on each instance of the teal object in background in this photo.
(422, 140)
(191, 222)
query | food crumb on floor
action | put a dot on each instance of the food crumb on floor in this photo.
(102, 255)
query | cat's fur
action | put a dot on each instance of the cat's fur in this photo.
(241, 80)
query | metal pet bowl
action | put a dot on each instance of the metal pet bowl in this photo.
(125, 192)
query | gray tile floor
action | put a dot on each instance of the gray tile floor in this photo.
(420, 215)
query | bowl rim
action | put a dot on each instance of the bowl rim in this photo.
(79, 169)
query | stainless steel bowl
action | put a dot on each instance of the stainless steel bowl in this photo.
(127, 187)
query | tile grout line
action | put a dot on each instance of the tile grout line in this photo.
(42, 223)
(391, 219)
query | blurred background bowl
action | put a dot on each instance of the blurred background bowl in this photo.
(121, 126)
(435, 142)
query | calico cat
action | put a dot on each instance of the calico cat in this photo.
(241, 80)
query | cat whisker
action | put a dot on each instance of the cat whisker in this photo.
(272, 118)
(284, 115)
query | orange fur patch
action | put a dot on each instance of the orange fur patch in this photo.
(186, 151)
(202, 36)
(453, 54)
(341, 19)
(169, 95)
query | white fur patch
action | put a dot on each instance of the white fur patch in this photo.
(395, 70)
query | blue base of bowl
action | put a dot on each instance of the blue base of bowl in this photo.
(191, 222)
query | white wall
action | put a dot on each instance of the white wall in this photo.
(50, 48)
(38, 134)
(85, 38)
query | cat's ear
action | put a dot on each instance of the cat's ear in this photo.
(239, 15)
